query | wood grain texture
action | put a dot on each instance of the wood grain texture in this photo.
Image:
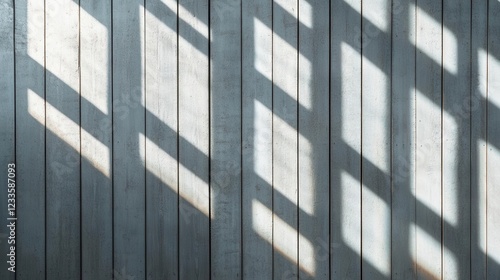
(128, 139)
(30, 138)
(161, 144)
(194, 139)
(63, 139)
(96, 140)
(345, 143)
(493, 143)
(456, 139)
(257, 172)
(403, 243)
(7, 124)
(479, 83)
(427, 225)
(225, 139)
(313, 143)
(230, 139)
(285, 139)
(376, 139)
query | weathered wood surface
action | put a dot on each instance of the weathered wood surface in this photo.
(285, 139)
(225, 139)
(493, 143)
(231, 139)
(257, 145)
(7, 125)
(194, 140)
(96, 140)
(129, 151)
(30, 138)
(162, 145)
(376, 140)
(345, 140)
(63, 141)
(403, 140)
(428, 158)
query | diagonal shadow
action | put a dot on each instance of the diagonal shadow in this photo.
(172, 134)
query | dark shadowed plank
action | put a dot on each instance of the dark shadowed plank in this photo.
(7, 128)
(30, 134)
(96, 139)
(403, 136)
(225, 138)
(128, 139)
(479, 82)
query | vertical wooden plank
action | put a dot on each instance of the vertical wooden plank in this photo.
(30, 135)
(376, 140)
(128, 135)
(194, 227)
(285, 181)
(63, 139)
(493, 143)
(313, 142)
(7, 127)
(479, 78)
(456, 139)
(345, 143)
(403, 140)
(96, 138)
(257, 139)
(161, 143)
(428, 139)
(225, 138)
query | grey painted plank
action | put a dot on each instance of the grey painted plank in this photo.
(345, 145)
(128, 139)
(96, 139)
(225, 140)
(161, 143)
(7, 128)
(194, 200)
(427, 225)
(63, 140)
(493, 143)
(479, 60)
(285, 139)
(313, 143)
(414, 242)
(30, 134)
(257, 140)
(376, 140)
(403, 140)
(456, 140)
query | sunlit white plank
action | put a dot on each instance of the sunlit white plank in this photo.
(428, 135)
(434, 28)
(288, 232)
(493, 143)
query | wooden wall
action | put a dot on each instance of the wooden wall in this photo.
(259, 139)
